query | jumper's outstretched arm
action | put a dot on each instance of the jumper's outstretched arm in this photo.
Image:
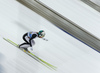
(45, 39)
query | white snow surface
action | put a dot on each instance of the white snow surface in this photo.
(78, 12)
(62, 50)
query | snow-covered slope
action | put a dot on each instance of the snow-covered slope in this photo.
(78, 12)
(62, 50)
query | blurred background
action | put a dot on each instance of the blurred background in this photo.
(71, 27)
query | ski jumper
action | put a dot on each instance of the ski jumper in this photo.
(28, 38)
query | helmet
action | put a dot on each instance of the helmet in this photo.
(41, 33)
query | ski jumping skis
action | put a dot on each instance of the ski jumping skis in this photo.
(49, 66)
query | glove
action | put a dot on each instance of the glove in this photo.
(30, 49)
(45, 39)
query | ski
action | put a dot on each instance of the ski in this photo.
(46, 64)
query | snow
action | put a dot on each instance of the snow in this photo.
(78, 12)
(63, 51)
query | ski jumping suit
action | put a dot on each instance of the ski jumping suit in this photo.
(28, 38)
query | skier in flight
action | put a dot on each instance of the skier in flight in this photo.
(29, 39)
